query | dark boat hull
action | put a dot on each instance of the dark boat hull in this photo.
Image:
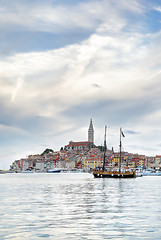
(101, 174)
(54, 171)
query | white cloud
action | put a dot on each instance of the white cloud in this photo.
(17, 88)
(58, 18)
(158, 8)
(13, 129)
(66, 75)
(51, 18)
(38, 89)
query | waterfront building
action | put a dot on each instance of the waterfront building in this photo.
(150, 162)
(40, 166)
(115, 159)
(92, 163)
(131, 164)
(25, 165)
(137, 161)
(93, 159)
(157, 164)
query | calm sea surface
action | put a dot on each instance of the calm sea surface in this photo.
(77, 206)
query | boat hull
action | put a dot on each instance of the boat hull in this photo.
(106, 174)
(152, 174)
(54, 171)
(139, 174)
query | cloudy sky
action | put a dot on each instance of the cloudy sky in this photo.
(63, 62)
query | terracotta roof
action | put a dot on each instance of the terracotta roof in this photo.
(78, 144)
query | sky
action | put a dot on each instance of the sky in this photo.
(64, 62)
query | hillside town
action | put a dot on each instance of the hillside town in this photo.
(82, 156)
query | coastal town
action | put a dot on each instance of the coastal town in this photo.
(82, 156)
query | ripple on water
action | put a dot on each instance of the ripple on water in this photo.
(77, 206)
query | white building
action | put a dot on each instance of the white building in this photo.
(40, 166)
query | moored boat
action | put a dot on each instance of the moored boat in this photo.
(27, 171)
(115, 172)
(55, 170)
(151, 172)
(139, 173)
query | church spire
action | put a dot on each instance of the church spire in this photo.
(91, 132)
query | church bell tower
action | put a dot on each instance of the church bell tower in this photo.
(91, 132)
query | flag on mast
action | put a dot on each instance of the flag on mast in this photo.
(122, 133)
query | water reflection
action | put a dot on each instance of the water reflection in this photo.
(77, 206)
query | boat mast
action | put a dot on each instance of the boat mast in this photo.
(104, 156)
(120, 153)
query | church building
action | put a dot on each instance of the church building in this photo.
(91, 132)
(84, 145)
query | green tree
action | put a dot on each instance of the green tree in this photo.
(47, 150)
(102, 148)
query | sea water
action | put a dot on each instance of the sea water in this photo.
(78, 206)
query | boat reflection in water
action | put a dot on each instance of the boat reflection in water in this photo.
(113, 172)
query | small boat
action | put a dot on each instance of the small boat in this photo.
(115, 172)
(139, 173)
(2, 172)
(27, 171)
(55, 170)
(151, 172)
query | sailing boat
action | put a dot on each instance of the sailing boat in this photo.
(113, 173)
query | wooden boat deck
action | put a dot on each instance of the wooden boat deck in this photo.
(113, 174)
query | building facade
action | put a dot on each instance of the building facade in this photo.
(83, 145)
